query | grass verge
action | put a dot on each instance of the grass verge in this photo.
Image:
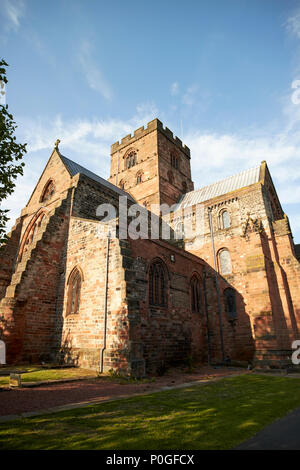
(36, 374)
(213, 416)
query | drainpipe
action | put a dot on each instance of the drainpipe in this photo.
(207, 322)
(105, 304)
(217, 284)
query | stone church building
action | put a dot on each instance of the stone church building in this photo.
(138, 305)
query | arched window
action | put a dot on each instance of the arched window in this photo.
(225, 262)
(74, 289)
(48, 191)
(230, 303)
(174, 161)
(157, 285)
(30, 233)
(122, 184)
(179, 230)
(195, 294)
(139, 177)
(224, 219)
(130, 159)
(184, 186)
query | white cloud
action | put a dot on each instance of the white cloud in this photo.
(293, 24)
(295, 223)
(81, 135)
(14, 11)
(92, 72)
(189, 97)
(174, 90)
(218, 156)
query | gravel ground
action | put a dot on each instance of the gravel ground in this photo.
(22, 400)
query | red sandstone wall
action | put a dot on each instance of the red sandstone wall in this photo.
(29, 307)
(55, 170)
(265, 272)
(168, 335)
(83, 333)
(8, 256)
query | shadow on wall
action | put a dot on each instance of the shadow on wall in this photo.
(66, 354)
(239, 344)
(274, 329)
(178, 334)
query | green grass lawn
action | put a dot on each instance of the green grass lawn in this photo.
(36, 374)
(218, 415)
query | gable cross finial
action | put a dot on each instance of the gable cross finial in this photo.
(56, 144)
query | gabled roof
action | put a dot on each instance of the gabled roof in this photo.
(74, 168)
(245, 178)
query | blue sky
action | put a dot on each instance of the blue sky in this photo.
(218, 73)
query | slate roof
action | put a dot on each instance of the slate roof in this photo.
(245, 178)
(75, 168)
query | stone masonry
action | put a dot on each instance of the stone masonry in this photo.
(248, 301)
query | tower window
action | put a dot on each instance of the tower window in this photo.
(157, 285)
(225, 262)
(184, 186)
(195, 294)
(174, 161)
(130, 160)
(122, 184)
(139, 177)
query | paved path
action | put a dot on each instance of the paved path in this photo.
(282, 434)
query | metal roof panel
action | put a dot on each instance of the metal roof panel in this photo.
(245, 178)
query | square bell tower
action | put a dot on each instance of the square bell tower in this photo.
(152, 165)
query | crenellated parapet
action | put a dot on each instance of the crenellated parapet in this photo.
(155, 125)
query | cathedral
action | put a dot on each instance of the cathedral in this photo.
(79, 286)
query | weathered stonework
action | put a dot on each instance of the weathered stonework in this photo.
(116, 326)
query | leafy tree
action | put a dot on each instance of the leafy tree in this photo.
(10, 153)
